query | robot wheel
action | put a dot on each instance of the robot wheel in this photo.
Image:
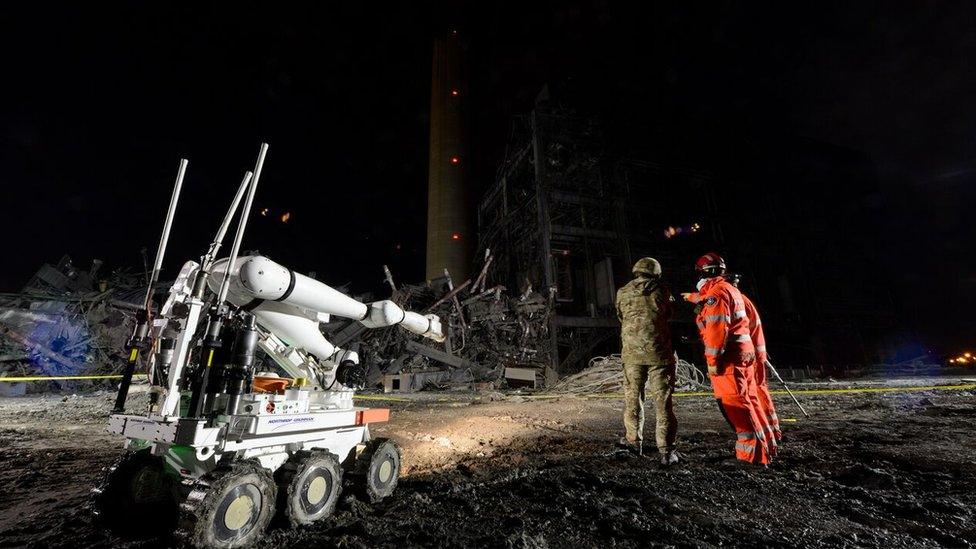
(377, 469)
(229, 507)
(137, 496)
(309, 484)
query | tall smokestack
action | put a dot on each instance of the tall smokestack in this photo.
(450, 238)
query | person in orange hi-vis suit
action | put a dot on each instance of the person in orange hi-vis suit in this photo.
(762, 384)
(731, 358)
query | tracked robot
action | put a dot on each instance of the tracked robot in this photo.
(250, 409)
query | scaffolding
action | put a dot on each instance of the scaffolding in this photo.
(569, 214)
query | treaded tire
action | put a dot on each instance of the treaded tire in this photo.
(309, 484)
(229, 507)
(377, 469)
(137, 496)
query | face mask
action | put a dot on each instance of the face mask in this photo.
(701, 283)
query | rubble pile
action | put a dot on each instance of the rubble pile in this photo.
(488, 331)
(605, 374)
(68, 322)
(494, 340)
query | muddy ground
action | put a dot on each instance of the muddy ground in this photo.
(866, 470)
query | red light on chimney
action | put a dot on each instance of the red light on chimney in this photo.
(456, 236)
(455, 93)
(455, 160)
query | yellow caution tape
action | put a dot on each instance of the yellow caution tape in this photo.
(378, 397)
(60, 378)
(709, 393)
(882, 389)
(964, 387)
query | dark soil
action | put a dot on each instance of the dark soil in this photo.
(867, 470)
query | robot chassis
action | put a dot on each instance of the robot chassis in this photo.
(220, 448)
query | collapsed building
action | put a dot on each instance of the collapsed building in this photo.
(67, 321)
(490, 333)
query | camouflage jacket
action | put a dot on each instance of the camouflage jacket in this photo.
(644, 308)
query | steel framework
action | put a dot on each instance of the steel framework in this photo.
(568, 214)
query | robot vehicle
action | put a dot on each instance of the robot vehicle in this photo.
(220, 449)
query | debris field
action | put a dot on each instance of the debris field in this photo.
(866, 469)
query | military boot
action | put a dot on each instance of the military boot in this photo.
(669, 458)
(634, 446)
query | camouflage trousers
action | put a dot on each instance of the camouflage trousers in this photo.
(660, 378)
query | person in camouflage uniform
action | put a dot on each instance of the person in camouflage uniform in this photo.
(644, 307)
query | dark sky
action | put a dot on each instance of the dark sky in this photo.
(101, 99)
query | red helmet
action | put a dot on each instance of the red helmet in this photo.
(709, 263)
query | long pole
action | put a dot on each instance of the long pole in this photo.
(167, 225)
(211, 340)
(138, 339)
(787, 387)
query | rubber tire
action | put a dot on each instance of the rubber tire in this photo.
(293, 485)
(369, 464)
(137, 496)
(201, 507)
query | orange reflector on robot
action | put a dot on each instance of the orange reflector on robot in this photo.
(270, 384)
(372, 415)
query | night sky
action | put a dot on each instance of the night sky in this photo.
(101, 99)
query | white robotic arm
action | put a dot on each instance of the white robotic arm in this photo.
(263, 279)
(290, 305)
(388, 313)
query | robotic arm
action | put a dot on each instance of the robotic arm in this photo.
(290, 306)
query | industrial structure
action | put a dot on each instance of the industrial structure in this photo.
(450, 237)
(571, 210)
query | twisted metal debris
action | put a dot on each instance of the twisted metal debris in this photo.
(487, 330)
(606, 375)
(67, 321)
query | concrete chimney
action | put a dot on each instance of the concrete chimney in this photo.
(450, 235)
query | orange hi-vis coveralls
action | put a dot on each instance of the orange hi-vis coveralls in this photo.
(762, 385)
(731, 359)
